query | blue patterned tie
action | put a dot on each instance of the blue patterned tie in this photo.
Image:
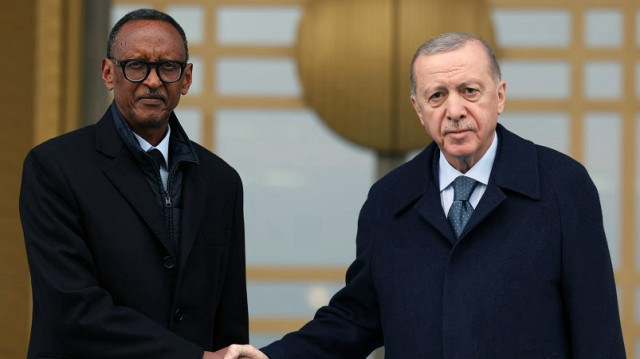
(461, 209)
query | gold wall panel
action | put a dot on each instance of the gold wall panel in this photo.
(41, 46)
(353, 59)
(17, 40)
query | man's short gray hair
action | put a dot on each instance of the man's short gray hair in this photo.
(451, 41)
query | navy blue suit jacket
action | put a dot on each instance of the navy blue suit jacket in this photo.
(530, 277)
(105, 281)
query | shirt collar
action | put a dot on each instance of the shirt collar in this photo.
(163, 146)
(479, 172)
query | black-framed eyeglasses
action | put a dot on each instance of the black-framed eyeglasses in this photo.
(137, 70)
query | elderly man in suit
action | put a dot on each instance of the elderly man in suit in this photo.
(484, 245)
(135, 234)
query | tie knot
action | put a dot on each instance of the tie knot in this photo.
(157, 157)
(462, 188)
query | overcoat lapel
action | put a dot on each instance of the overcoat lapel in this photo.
(128, 178)
(515, 169)
(430, 209)
(420, 190)
(193, 208)
(491, 199)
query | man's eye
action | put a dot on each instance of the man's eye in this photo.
(169, 66)
(470, 91)
(135, 65)
(437, 98)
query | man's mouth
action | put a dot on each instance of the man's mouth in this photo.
(456, 131)
(151, 99)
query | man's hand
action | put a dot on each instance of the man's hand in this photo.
(236, 351)
(244, 352)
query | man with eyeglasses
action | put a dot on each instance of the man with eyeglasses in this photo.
(135, 234)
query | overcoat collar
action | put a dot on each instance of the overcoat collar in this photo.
(515, 169)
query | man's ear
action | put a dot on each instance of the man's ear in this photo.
(108, 73)
(188, 77)
(416, 107)
(502, 89)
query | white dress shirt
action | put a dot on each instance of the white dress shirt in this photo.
(479, 172)
(163, 147)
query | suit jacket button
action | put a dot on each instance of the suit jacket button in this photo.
(178, 315)
(168, 262)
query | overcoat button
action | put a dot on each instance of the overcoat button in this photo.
(178, 316)
(168, 262)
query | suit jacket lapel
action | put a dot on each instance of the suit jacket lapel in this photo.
(127, 177)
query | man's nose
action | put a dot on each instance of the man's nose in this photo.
(456, 108)
(153, 80)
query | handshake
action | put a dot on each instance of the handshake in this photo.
(236, 351)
